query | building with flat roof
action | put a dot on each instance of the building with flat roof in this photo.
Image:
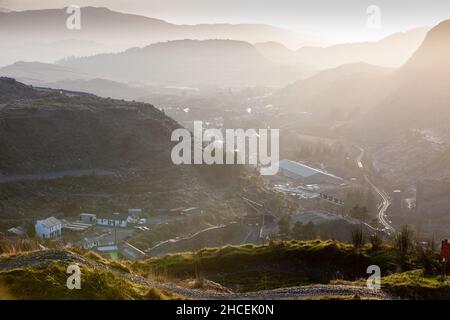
(88, 217)
(113, 219)
(306, 174)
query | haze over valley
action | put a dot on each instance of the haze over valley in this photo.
(90, 116)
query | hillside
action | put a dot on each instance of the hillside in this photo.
(391, 51)
(75, 152)
(285, 270)
(12, 90)
(417, 106)
(118, 280)
(420, 88)
(342, 93)
(299, 266)
(186, 63)
(41, 275)
(63, 132)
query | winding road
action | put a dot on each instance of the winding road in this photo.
(386, 202)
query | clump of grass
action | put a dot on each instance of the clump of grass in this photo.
(153, 294)
(95, 257)
(18, 246)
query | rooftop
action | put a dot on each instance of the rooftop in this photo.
(303, 170)
(50, 222)
(114, 216)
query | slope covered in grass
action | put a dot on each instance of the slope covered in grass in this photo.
(257, 267)
(42, 275)
(417, 285)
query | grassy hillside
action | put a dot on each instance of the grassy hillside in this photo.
(294, 263)
(417, 285)
(42, 275)
(258, 267)
(218, 272)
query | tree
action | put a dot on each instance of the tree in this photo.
(284, 225)
(375, 241)
(298, 231)
(31, 231)
(310, 231)
(403, 240)
(428, 259)
(358, 238)
(402, 243)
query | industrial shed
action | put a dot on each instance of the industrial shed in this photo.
(306, 174)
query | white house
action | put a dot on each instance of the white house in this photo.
(49, 228)
(113, 220)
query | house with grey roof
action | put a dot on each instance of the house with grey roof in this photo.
(49, 228)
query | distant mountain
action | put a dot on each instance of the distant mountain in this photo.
(276, 52)
(117, 30)
(48, 51)
(413, 96)
(107, 26)
(391, 51)
(340, 93)
(187, 63)
(420, 89)
(38, 74)
(102, 88)
(415, 114)
(432, 59)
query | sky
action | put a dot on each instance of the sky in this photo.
(331, 20)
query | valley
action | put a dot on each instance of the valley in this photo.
(138, 149)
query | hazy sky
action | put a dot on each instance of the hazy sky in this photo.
(334, 20)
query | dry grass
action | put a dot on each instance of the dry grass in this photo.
(19, 246)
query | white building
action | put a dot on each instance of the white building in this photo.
(113, 220)
(49, 228)
(134, 215)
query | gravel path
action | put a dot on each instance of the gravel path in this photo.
(44, 258)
